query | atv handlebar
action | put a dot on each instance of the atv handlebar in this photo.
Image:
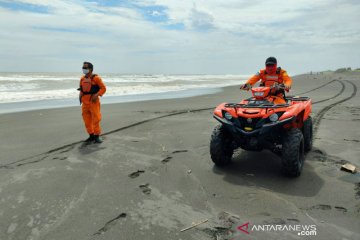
(277, 86)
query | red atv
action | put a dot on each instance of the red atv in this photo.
(257, 123)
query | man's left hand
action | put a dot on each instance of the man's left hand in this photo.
(94, 97)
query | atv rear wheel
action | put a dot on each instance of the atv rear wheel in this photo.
(308, 134)
(293, 153)
(221, 149)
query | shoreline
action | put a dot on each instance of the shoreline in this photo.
(13, 107)
(26, 106)
(24, 92)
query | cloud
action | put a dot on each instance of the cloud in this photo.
(201, 20)
(171, 36)
(23, 6)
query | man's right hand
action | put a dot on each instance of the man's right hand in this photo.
(245, 86)
(280, 86)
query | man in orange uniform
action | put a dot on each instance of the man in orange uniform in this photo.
(91, 87)
(269, 76)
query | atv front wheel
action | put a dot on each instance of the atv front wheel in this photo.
(293, 153)
(221, 149)
(308, 134)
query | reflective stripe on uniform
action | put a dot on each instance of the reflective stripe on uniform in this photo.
(268, 77)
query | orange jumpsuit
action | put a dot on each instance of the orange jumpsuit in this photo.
(91, 110)
(268, 80)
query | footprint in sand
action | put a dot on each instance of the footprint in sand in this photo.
(180, 151)
(328, 207)
(342, 209)
(265, 214)
(293, 220)
(218, 232)
(357, 190)
(110, 224)
(167, 159)
(59, 158)
(342, 162)
(136, 174)
(319, 155)
(351, 140)
(318, 151)
(145, 189)
(321, 207)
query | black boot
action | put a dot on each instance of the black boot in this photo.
(90, 138)
(97, 139)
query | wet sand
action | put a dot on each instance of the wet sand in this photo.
(153, 176)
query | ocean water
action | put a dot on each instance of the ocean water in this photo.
(28, 91)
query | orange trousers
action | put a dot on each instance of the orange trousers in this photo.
(92, 116)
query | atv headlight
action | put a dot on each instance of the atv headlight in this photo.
(274, 117)
(258, 94)
(227, 116)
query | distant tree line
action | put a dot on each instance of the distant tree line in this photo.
(348, 69)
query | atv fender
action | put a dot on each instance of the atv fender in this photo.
(308, 109)
(269, 126)
(218, 110)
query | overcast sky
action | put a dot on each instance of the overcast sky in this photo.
(178, 36)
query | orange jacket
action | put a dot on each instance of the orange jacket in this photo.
(281, 76)
(95, 80)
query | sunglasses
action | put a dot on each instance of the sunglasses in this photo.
(270, 65)
(85, 68)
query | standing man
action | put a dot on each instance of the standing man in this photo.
(272, 74)
(91, 88)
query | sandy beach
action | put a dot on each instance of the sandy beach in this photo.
(153, 175)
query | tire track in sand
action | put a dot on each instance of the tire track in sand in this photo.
(336, 95)
(323, 111)
(321, 86)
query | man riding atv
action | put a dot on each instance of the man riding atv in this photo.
(267, 120)
(270, 76)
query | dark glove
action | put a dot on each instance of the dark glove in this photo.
(280, 86)
(245, 86)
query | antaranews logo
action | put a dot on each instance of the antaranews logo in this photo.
(301, 230)
(244, 228)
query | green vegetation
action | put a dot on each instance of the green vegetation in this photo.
(341, 70)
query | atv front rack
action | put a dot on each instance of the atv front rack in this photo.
(294, 98)
(238, 105)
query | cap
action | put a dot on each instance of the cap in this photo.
(270, 60)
